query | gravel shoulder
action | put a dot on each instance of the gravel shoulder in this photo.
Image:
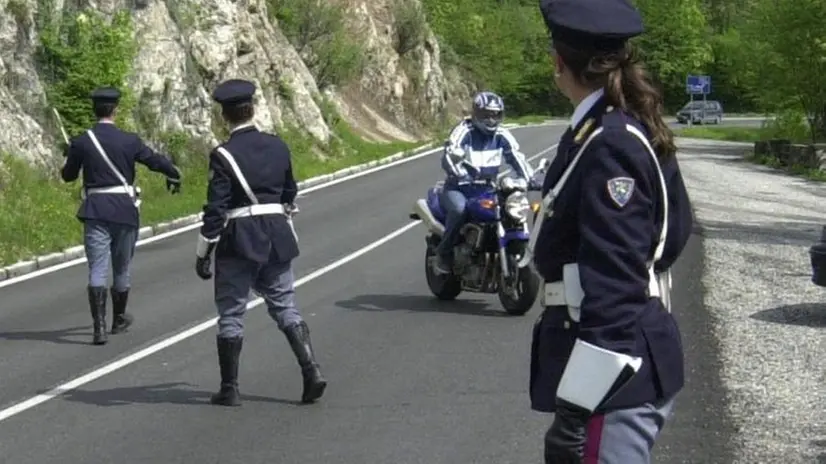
(757, 225)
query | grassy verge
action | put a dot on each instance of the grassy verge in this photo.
(754, 134)
(730, 134)
(772, 162)
(37, 211)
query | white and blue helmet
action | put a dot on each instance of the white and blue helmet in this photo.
(488, 111)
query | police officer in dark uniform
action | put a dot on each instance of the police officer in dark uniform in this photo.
(109, 210)
(247, 223)
(607, 356)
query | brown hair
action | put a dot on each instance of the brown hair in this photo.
(627, 86)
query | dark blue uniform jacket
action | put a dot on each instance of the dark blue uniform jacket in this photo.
(123, 149)
(264, 159)
(611, 245)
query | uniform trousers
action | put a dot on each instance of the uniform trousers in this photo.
(274, 281)
(626, 436)
(103, 241)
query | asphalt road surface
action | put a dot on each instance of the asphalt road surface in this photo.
(410, 380)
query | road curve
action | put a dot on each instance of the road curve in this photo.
(411, 380)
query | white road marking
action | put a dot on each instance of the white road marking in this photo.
(185, 229)
(25, 405)
(196, 225)
(188, 333)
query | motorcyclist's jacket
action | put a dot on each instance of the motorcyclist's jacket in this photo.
(471, 154)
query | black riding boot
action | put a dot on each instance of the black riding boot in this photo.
(97, 304)
(229, 352)
(314, 384)
(120, 319)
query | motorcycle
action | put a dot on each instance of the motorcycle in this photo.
(490, 243)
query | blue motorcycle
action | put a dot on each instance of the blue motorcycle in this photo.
(490, 243)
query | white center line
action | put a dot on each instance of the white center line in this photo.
(183, 335)
(192, 331)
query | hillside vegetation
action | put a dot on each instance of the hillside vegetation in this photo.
(765, 56)
(345, 82)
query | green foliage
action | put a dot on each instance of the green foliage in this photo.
(730, 134)
(79, 52)
(675, 43)
(763, 55)
(410, 26)
(37, 212)
(317, 31)
(785, 57)
(20, 12)
(501, 46)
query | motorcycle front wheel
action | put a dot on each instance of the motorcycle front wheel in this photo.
(518, 294)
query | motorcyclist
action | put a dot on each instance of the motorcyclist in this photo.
(473, 152)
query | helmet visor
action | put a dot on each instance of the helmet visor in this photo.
(489, 118)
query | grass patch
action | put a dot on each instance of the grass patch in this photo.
(755, 134)
(773, 162)
(730, 134)
(37, 212)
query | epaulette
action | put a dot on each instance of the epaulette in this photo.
(584, 131)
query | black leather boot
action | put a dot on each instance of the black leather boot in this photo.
(120, 319)
(229, 352)
(97, 305)
(314, 384)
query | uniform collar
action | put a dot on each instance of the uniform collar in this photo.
(245, 126)
(585, 106)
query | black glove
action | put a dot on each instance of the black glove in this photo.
(202, 266)
(173, 185)
(565, 439)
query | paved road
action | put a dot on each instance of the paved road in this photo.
(411, 381)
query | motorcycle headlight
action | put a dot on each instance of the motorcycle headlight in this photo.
(517, 206)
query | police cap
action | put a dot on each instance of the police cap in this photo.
(592, 24)
(233, 92)
(105, 95)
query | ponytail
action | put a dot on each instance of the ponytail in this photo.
(627, 86)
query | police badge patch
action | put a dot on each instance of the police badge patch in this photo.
(620, 190)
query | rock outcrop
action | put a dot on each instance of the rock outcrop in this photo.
(185, 47)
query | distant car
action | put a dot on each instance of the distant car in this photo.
(701, 112)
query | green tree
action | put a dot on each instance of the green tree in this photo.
(675, 44)
(80, 52)
(784, 57)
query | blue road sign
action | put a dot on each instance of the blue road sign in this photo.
(698, 85)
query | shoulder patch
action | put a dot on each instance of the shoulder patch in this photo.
(620, 189)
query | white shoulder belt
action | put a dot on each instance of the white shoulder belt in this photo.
(255, 209)
(568, 292)
(133, 192)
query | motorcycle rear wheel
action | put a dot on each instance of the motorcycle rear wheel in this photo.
(444, 287)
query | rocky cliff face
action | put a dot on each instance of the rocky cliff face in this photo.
(185, 47)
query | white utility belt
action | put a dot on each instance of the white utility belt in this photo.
(133, 192)
(256, 210)
(117, 189)
(568, 292)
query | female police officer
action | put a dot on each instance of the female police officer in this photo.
(607, 357)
